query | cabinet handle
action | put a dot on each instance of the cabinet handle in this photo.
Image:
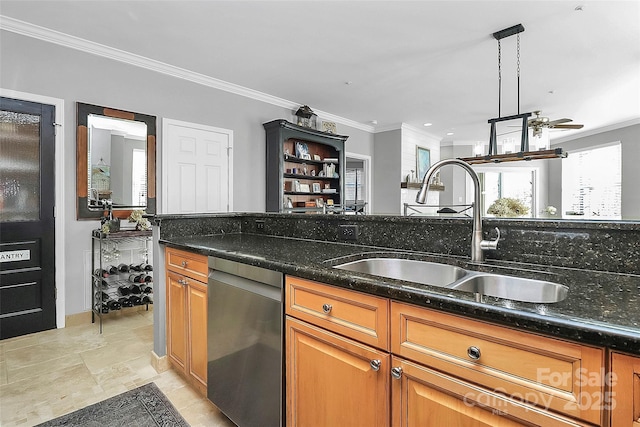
(396, 372)
(184, 264)
(183, 282)
(326, 308)
(375, 364)
(473, 352)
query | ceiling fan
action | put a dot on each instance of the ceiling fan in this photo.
(539, 122)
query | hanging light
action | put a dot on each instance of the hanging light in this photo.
(540, 136)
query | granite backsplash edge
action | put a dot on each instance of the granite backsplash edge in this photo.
(587, 245)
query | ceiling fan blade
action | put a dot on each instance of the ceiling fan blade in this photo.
(558, 121)
(568, 126)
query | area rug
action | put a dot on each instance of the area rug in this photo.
(144, 406)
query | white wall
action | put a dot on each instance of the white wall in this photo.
(33, 66)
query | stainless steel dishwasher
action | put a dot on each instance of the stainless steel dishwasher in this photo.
(244, 334)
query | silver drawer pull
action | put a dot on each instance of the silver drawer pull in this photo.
(473, 352)
(396, 372)
(375, 364)
(182, 282)
(326, 308)
(184, 264)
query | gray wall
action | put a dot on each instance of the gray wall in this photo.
(37, 67)
(387, 162)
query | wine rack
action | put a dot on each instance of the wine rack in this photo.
(121, 275)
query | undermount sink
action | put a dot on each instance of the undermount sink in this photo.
(513, 288)
(459, 279)
(428, 273)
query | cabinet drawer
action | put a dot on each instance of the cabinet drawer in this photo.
(557, 375)
(187, 263)
(362, 317)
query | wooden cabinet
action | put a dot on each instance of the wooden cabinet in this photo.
(304, 166)
(443, 369)
(625, 390)
(546, 373)
(426, 397)
(187, 315)
(333, 380)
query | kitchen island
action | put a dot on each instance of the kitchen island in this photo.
(599, 315)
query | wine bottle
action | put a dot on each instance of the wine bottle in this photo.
(144, 267)
(102, 308)
(135, 300)
(112, 269)
(135, 278)
(134, 267)
(124, 268)
(101, 296)
(124, 290)
(147, 289)
(147, 299)
(103, 284)
(125, 302)
(99, 272)
(113, 304)
(135, 289)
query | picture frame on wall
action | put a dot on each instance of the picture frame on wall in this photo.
(423, 161)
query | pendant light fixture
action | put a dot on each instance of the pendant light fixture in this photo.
(524, 153)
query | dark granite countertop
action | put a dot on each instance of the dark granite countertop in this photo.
(601, 308)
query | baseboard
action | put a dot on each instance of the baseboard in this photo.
(85, 317)
(77, 319)
(160, 364)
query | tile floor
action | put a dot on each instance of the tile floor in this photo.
(51, 373)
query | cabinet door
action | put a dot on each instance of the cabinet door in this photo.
(331, 382)
(423, 397)
(176, 320)
(197, 299)
(625, 391)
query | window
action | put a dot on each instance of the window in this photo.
(592, 183)
(355, 186)
(139, 177)
(513, 183)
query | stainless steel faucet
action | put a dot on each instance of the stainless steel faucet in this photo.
(478, 246)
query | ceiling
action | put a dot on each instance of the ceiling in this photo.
(390, 62)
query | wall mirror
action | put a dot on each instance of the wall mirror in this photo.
(116, 161)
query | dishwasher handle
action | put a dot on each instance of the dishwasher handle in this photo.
(266, 290)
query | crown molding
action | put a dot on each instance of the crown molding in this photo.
(52, 36)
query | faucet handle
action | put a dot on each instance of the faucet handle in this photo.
(490, 244)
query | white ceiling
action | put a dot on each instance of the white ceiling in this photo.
(407, 61)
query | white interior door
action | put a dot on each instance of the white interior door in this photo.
(197, 168)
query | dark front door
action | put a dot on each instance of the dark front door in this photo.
(27, 272)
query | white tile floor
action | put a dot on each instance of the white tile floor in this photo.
(51, 373)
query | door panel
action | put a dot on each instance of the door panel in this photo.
(27, 258)
(197, 168)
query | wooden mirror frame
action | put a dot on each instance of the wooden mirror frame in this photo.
(82, 162)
